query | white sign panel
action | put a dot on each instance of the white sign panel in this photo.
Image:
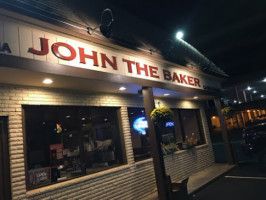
(23, 41)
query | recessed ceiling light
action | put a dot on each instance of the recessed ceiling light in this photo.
(195, 97)
(47, 81)
(254, 91)
(122, 88)
(166, 94)
(249, 88)
(264, 80)
(262, 96)
(235, 101)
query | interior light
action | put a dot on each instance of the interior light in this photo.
(235, 101)
(254, 91)
(68, 116)
(262, 96)
(249, 88)
(179, 35)
(264, 80)
(248, 110)
(166, 94)
(195, 97)
(213, 117)
(47, 81)
(83, 118)
(122, 88)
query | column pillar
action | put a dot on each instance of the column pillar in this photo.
(158, 161)
(226, 141)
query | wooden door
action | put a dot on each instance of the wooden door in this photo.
(5, 191)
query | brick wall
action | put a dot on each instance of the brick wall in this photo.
(130, 181)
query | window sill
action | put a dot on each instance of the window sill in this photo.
(79, 180)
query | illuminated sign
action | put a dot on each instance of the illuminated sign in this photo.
(141, 124)
(169, 124)
(60, 49)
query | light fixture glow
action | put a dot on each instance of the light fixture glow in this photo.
(47, 81)
(264, 80)
(235, 101)
(249, 88)
(195, 97)
(166, 95)
(122, 88)
(179, 35)
(262, 96)
(255, 91)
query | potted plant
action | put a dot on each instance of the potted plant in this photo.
(161, 115)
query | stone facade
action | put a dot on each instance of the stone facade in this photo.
(133, 180)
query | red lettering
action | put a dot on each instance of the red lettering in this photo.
(167, 75)
(129, 64)
(190, 80)
(197, 82)
(94, 57)
(105, 58)
(153, 72)
(56, 46)
(44, 48)
(182, 78)
(139, 69)
(176, 78)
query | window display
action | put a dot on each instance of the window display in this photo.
(68, 142)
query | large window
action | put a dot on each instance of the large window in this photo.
(186, 124)
(67, 142)
(191, 125)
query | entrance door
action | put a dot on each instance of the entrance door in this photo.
(5, 192)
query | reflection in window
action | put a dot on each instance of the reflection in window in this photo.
(67, 142)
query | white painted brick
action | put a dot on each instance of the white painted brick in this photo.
(133, 182)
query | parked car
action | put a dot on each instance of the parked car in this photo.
(254, 142)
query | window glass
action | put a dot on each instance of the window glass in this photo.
(68, 142)
(139, 133)
(191, 123)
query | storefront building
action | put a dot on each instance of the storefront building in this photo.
(77, 138)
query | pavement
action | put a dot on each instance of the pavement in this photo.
(200, 179)
(245, 182)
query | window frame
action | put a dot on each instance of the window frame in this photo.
(118, 124)
(199, 123)
(179, 127)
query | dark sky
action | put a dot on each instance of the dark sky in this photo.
(231, 33)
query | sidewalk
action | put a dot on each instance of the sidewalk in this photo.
(199, 179)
